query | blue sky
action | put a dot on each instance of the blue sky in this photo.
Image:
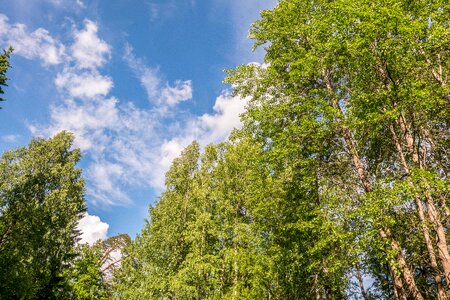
(135, 81)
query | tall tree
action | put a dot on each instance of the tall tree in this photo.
(369, 81)
(41, 201)
(152, 263)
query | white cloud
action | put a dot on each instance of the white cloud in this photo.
(226, 117)
(166, 153)
(67, 3)
(55, 2)
(150, 82)
(124, 146)
(154, 11)
(85, 84)
(89, 50)
(92, 229)
(37, 44)
(86, 120)
(181, 91)
(104, 176)
(162, 95)
(206, 129)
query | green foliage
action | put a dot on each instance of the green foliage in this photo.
(85, 279)
(341, 166)
(4, 66)
(359, 88)
(230, 231)
(41, 201)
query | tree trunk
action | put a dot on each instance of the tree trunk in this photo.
(399, 291)
(432, 212)
(361, 283)
(407, 274)
(423, 223)
(362, 174)
(440, 236)
(431, 254)
(317, 287)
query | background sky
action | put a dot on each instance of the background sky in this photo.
(135, 81)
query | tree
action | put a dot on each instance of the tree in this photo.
(85, 279)
(361, 88)
(41, 201)
(151, 264)
(246, 226)
(4, 66)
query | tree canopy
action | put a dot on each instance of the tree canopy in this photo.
(339, 174)
(41, 201)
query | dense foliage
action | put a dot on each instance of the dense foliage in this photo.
(336, 187)
(338, 179)
(41, 201)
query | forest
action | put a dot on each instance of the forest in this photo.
(336, 187)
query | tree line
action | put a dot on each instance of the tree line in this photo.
(336, 187)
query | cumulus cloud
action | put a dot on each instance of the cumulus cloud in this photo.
(89, 50)
(92, 229)
(84, 84)
(37, 44)
(226, 117)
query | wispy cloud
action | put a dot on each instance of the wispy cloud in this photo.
(11, 138)
(161, 94)
(59, 3)
(161, 10)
